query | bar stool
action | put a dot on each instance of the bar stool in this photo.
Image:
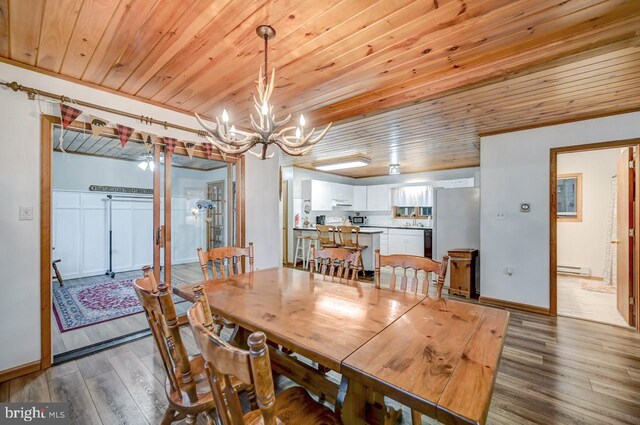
(349, 239)
(315, 242)
(326, 236)
(301, 252)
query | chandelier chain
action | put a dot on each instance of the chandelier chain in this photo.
(266, 56)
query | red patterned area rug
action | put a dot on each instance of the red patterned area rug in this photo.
(95, 300)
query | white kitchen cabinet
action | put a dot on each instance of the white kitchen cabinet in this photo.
(414, 244)
(384, 238)
(396, 244)
(342, 194)
(360, 198)
(378, 198)
(449, 184)
(318, 193)
(406, 242)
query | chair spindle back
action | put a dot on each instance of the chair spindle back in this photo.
(225, 261)
(222, 360)
(406, 262)
(161, 315)
(335, 262)
(326, 235)
(349, 236)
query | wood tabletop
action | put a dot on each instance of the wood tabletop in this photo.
(321, 319)
(440, 358)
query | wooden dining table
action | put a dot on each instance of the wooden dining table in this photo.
(438, 357)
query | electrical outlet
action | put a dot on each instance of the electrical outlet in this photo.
(501, 216)
(508, 271)
(25, 213)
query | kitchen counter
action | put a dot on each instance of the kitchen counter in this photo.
(363, 231)
(396, 227)
(367, 237)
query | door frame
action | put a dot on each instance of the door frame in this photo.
(47, 122)
(553, 222)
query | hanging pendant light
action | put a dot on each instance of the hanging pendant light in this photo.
(266, 131)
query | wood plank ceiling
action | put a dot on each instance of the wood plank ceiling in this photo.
(78, 142)
(342, 60)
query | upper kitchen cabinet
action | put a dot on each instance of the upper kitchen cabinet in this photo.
(342, 194)
(360, 198)
(378, 198)
(318, 193)
(449, 184)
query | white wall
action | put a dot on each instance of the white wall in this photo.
(264, 214)
(514, 168)
(584, 243)
(78, 172)
(20, 185)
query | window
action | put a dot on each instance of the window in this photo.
(411, 212)
(569, 194)
(423, 212)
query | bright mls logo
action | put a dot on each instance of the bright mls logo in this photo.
(34, 413)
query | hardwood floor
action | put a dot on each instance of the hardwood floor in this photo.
(553, 371)
(574, 301)
(78, 338)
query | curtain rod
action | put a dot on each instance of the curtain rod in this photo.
(31, 93)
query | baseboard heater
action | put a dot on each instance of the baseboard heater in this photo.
(578, 271)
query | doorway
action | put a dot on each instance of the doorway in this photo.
(593, 214)
(142, 208)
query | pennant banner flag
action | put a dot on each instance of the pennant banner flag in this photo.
(170, 143)
(125, 133)
(207, 148)
(149, 139)
(97, 124)
(191, 148)
(68, 114)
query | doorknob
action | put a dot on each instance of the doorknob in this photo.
(615, 241)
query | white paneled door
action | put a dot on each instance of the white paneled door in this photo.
(81, 233)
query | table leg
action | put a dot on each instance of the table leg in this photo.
(351, 402)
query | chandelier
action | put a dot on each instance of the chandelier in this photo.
(293, 140)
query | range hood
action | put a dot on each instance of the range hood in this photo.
(340, 203)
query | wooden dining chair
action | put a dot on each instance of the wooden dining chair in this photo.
(326, 236)
(415, 263)
(292, 406)
(225, 261)
(335, 262)
(187, 386)
(348, 239)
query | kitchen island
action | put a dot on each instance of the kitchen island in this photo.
(367, 237)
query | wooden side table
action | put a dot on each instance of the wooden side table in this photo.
(462, 266)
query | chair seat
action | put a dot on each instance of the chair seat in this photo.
(354, 248)
(294, 406)
(179, 399)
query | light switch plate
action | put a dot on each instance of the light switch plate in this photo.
(25, 213)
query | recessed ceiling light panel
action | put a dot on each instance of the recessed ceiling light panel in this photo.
(342, 163)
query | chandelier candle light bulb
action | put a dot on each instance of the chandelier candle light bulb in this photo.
(267, 130)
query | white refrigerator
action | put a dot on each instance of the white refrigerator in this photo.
(456, 223)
